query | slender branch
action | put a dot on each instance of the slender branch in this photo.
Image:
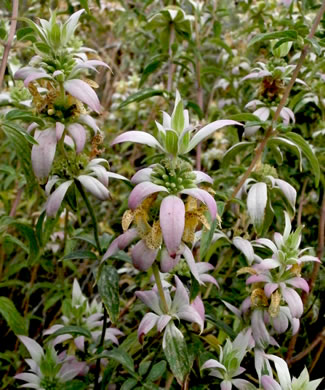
(92, 214)
(270, 132)
(15, 5)
(101, 343)
(156, 274)
(320, 246)
(16, 202)
(307, 350)
(320, 252)
(170, 58)
(302, 201)
(199, 89)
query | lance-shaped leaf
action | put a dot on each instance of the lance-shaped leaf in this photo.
(94, 186)
(43, 153)
(13, 318)
(289, 192)
(109, 291)
(142, 175)
(246, 247)
(83, 92)
(35, 350)
(209, 129)
(307, 151)
(78, 133)
(139, 137)
(282, 371)
(89, 121)
(172, 221)
(54, 201)
(256, 203)
(176, 353)
(141, 191)
(35, 76)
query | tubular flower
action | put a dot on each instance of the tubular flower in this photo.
(92, 175)
(47, 369)
(179, 308)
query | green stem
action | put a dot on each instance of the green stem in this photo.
(100, 346)
(92, 214)
(156, 274)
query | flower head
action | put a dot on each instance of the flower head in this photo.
(47, 368)
(179, 308)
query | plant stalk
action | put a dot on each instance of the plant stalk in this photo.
(170, 58)
(156, 274)
(270, 132)
(101, 343)
(15, 5)
(92, 214)
(199, 89)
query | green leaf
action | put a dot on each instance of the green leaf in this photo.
(307, 151)
(243, 117)
(73, 330)
(25, 33)
(206, 238)
(234, 151)
(176, 352)
(109, 290)
(178, 119)
(14, 320)
(80, 254)
(3, 33)
(171, 142)
(315, 45)
(84, 4)
(120, 356)
(157, 371)
(151, 68)
(289, 34)
(142, 95)
(24, 116)
(76, 384)
(129, 384)
(212, 315)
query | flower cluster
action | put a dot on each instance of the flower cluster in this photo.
(57, 80)
(274, 301)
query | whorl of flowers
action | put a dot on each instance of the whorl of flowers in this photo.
(63, 96)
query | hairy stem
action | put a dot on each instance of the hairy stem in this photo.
(92, 214)
(199, 89)
(170, 58)
(101, 343)
(320, 252)
(15, 5)
(156, 274)
(270, 132)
